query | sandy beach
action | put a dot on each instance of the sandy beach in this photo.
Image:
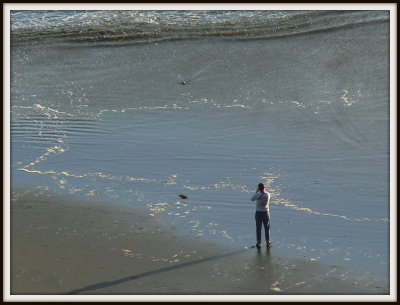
(60, 246)
(115, 113)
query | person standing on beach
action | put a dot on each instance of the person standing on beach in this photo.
(262, 214)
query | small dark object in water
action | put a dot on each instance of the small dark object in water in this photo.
(184, 82)
(183, 196)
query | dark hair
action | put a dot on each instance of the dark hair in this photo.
(261, 186)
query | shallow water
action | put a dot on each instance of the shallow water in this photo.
(307, 114)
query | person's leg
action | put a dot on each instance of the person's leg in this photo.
(258, 218)
(266, 222)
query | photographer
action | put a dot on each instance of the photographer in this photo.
(262, 214)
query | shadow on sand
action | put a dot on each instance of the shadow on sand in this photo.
(149, 273)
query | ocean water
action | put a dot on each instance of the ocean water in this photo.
(137, 107)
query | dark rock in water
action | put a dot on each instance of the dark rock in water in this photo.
(183, 196)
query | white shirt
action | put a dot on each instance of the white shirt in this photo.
(262, 201)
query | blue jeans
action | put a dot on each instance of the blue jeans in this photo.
(262, 218)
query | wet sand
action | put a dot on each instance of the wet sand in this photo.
(63, 247)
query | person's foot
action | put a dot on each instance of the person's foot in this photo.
(258, 245)
(269, 245)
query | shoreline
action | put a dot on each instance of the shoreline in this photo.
(62, 246)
